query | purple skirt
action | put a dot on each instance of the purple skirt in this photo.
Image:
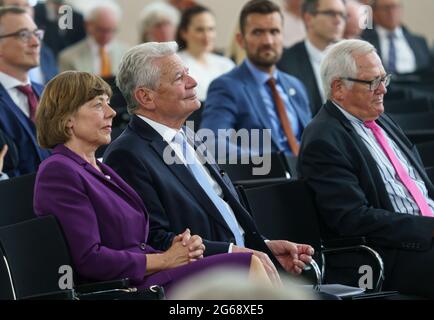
(169, 277)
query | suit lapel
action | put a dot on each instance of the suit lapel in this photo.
(375, 177)
(180, 171)
(288, 88)
(256, 101)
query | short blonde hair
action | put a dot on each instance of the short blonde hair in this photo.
(62, 97)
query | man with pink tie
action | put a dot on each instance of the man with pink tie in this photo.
(367, 177)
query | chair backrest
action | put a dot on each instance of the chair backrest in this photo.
(415, 121)
(34, 251)
(408, 106)
(244, 172)
(285, 211)
(16, 198)
(430, 173)
(426, 151)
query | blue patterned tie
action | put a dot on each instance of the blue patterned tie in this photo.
(198, 171)
(391, 66)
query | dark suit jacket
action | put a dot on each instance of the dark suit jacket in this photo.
(48, 64)
(234, 102)
(295, 61)
(55, 38)
(22, 132)
(349, 191)
(417, 44)
(173, 197)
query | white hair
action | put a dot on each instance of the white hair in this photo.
(339, 62)
(156, 12)
(92, 11)
(138, 69)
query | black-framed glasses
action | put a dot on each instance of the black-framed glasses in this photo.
(332, 14)
(373, 84)
(25, 35)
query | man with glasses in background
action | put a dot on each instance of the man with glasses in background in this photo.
(20, 43)
(99, 53)
(367, 177)
(325, 24)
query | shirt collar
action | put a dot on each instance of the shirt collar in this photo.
(261, 77)
(9, 82)
(314, 53)
(167, 133)
(95, 46)
(348, 115)
(384, 32)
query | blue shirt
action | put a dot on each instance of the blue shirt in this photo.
(261, 79)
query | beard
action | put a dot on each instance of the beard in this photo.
(263, 60)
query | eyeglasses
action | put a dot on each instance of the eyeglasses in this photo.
(332, 14)
(25, 35)
(373, 84)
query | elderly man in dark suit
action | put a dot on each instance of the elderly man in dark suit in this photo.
(367, 177)
(20, 42)
(402, 51)
(325, 24)
(157, 157)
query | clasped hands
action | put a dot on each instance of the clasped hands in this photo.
(185, 248)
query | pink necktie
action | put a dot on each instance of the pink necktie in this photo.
(32, 99)
(402, 173)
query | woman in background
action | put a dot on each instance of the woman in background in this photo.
(104, 220)
(196, 36)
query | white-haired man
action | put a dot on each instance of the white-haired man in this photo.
(161, 95)
(99, 52)
(367, 177)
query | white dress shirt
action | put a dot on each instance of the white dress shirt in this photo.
(315, 57)
(96, 58)
(19, 98)
(168, 135)
(405, 59)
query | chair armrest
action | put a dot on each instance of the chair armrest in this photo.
(103, 286)
(366, 249)
(344, 242)
(55, 295)
(254, 183)
(151, 293)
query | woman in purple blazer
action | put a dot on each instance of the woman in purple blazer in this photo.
(104, 220)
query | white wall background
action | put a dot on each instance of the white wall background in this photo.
(418, 16)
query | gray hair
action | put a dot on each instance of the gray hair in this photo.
(339, 62)
(94, 10)
(154, 13)
(138, 69)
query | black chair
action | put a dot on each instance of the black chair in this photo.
(415, 121)
(34, 252)
(287, 211)
(419, 127)
(426, 151)
(408, 106)
(244, 174)
(430, 173)
(16, 198)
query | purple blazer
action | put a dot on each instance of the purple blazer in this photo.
(105, 222)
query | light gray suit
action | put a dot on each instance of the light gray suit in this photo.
(79, 56)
